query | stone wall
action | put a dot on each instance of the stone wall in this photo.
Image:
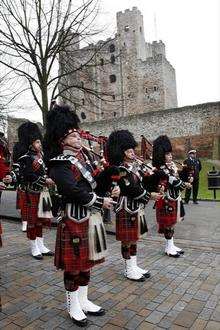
(195, 126)
(189, 127)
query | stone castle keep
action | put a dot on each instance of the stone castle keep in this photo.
(130, 75)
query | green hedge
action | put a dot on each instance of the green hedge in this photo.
(204, 193)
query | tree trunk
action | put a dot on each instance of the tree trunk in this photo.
(45, 106)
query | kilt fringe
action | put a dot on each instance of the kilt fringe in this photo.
(97, 238)
(97, 241)
(142, 223)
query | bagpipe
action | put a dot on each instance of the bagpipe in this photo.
(95, 153)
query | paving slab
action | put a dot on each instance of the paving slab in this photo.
(182, 293)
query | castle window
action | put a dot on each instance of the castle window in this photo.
(112, 78)
(155, 88)
(114, 114)
(101, 62)
(140, 29)
(83, 101)
(113, 59)
(126, 28)
(113, 96)
(112, 48)
(83, 115)
(82, 84)
(146, 90)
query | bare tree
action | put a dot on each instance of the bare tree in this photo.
(34, 33)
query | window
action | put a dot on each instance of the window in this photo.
(155, 88)
(112, 48)
(83, 115)
(146, 90)
(83, 101)
(82, 84)
(101, 61)
(113, 96)
(114, 114)
(112, 78)
(140, 29)
(112, 59)
(126, 28)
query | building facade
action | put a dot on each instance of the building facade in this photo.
(126, 75)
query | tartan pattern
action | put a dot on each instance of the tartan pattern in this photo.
(166, 214)
(22, 204)
(29, 209)
(126, 226)
(37, 163)
(72, 247)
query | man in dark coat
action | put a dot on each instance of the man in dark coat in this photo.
(193, 166)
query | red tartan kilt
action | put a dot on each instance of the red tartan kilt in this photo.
(166, 217)
(0, 234)
(127, 226)
(67, 257)
(29, 209)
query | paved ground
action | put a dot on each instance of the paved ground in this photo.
(181, 294)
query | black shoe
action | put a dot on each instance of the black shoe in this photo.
(38, 257)
(80, 323)
(181, 252)
(141, 279)
(177, 255)
(48, 254)
(147, 274)
(98, 313)
(195, 202)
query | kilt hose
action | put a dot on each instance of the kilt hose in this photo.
(0, 234)
(127, 226)
(28, 203)
(72, 247)
(166, 214)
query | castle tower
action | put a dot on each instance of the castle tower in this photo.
(130, 75)
(130, 32)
